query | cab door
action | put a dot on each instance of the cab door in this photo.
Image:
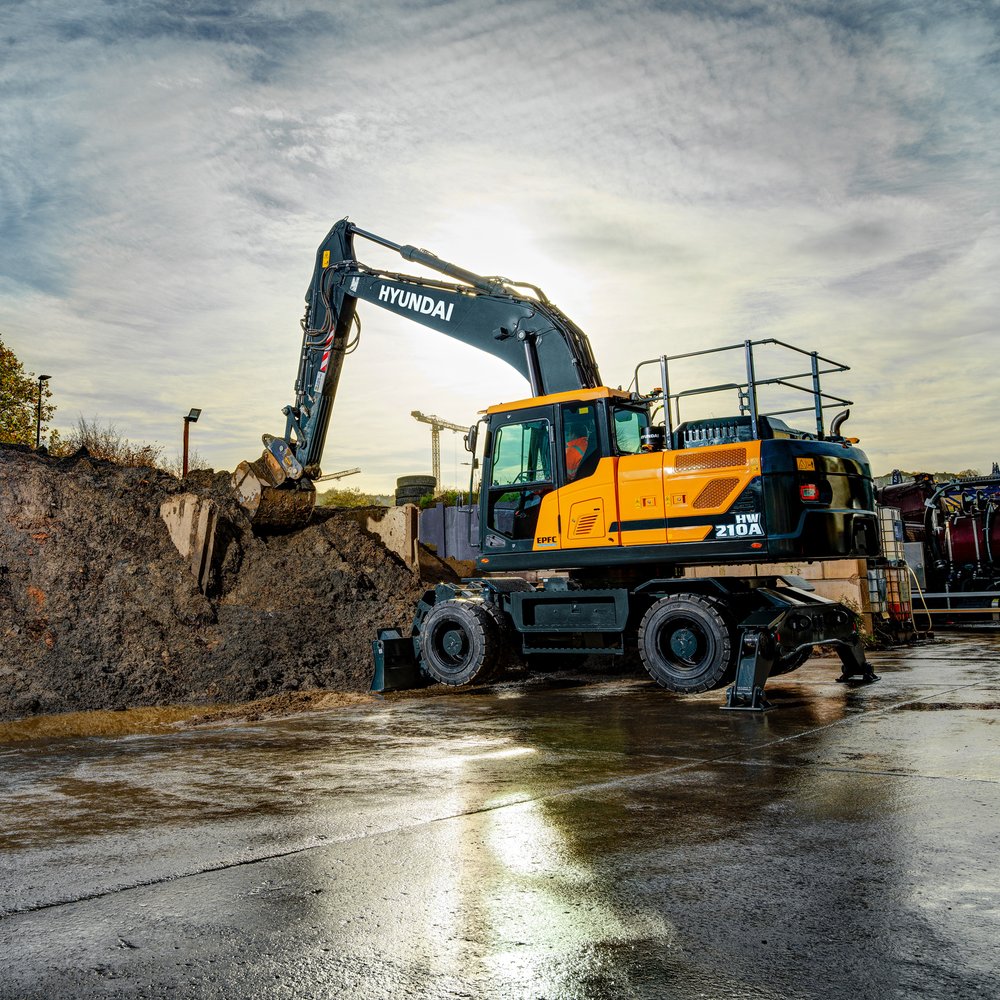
(586, 476)
(518, 479)
(641, 500)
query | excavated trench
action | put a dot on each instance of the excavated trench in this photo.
(98, 610)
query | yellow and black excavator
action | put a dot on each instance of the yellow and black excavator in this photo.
(608, 489)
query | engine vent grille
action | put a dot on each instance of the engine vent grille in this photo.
(585, 524)
(715, 492)
(723, 458)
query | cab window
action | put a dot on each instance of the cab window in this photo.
(581, 445)
(521, 454)
(520, 476)
(627, 426)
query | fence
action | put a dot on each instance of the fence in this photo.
(451, 531)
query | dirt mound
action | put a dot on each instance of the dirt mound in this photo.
(99, 610)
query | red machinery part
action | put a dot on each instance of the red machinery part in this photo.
(972, 539)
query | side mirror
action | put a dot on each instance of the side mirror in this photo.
(471, 437)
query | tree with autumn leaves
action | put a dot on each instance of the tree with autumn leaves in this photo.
(19, 401)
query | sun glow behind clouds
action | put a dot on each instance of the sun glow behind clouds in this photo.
(491, 238)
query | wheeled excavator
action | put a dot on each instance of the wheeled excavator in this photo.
(606, 489)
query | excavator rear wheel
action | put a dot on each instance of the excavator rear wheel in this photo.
(460, 643)
(687, 643)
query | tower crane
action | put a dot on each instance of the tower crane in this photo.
(437, 425)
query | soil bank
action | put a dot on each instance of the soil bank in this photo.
(98, 610)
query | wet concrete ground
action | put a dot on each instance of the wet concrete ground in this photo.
(599, 841)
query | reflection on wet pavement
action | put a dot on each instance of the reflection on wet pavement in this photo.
(580, 842)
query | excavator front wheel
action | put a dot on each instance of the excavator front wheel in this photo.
(686, 643)
(460, 643)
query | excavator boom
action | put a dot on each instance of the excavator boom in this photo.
(513, 321)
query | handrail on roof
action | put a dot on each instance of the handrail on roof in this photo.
(748, 390)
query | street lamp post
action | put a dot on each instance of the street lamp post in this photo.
(42, 379)
(190, 419)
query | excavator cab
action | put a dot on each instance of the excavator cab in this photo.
(541, 456)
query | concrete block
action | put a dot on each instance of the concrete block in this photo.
(191, 521)
(808, 571)
(845, 591)
(844, 569)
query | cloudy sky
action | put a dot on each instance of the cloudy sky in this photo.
(676, 175)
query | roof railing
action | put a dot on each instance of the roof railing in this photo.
(808, 382)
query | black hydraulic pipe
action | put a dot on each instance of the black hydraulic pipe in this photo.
(534, 369)
(434, 262)
(751, 387)
(816, 397)
(665, 388)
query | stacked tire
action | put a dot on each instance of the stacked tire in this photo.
(410, 489)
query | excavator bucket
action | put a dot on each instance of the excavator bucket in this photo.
(274, 502)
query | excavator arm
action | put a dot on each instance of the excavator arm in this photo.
(513, 321)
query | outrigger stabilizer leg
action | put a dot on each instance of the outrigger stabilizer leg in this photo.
(809, 621)
(757, 654)
(857, 670)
